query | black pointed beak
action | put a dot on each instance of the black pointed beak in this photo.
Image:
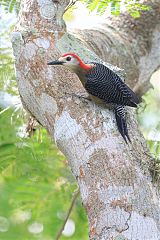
(55, 63)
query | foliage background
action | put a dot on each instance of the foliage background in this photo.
(36, 184)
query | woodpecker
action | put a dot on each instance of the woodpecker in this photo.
(103, 85)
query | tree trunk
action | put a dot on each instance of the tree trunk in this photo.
(115, 183)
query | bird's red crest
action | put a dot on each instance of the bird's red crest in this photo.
(73, 55)
(82, 64)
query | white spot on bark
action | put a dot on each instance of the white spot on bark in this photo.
(48, 11)
(16, 37)
(143, 228)
(113, 193)
(113, 218)
(84, 191)
(48, 104)
(17, 42)
(65, 130)
(30, 50)
(68, 135)
(43, 2)
(42, 42)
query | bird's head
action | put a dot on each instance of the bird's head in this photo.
(72, 62)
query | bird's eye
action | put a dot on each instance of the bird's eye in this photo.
(68, 58)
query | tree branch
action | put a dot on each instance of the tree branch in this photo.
(72, 3)
(114, 178)
(75, 196)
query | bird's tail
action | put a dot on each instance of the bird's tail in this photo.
(120, 115)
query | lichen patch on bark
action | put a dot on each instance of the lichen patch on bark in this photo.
(42, 42)
(115, 193)
(113, 218)
(17, 42)
(30, 50)
(141, 227)
(48, 11)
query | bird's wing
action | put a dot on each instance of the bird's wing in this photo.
(108, 86)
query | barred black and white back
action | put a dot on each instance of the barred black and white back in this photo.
(109, 87)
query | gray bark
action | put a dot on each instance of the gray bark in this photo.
(115, 183)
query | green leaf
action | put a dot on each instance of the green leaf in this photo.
(133, 7)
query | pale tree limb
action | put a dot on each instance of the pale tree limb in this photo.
(114, 178)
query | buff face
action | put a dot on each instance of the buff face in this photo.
(69, 61)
